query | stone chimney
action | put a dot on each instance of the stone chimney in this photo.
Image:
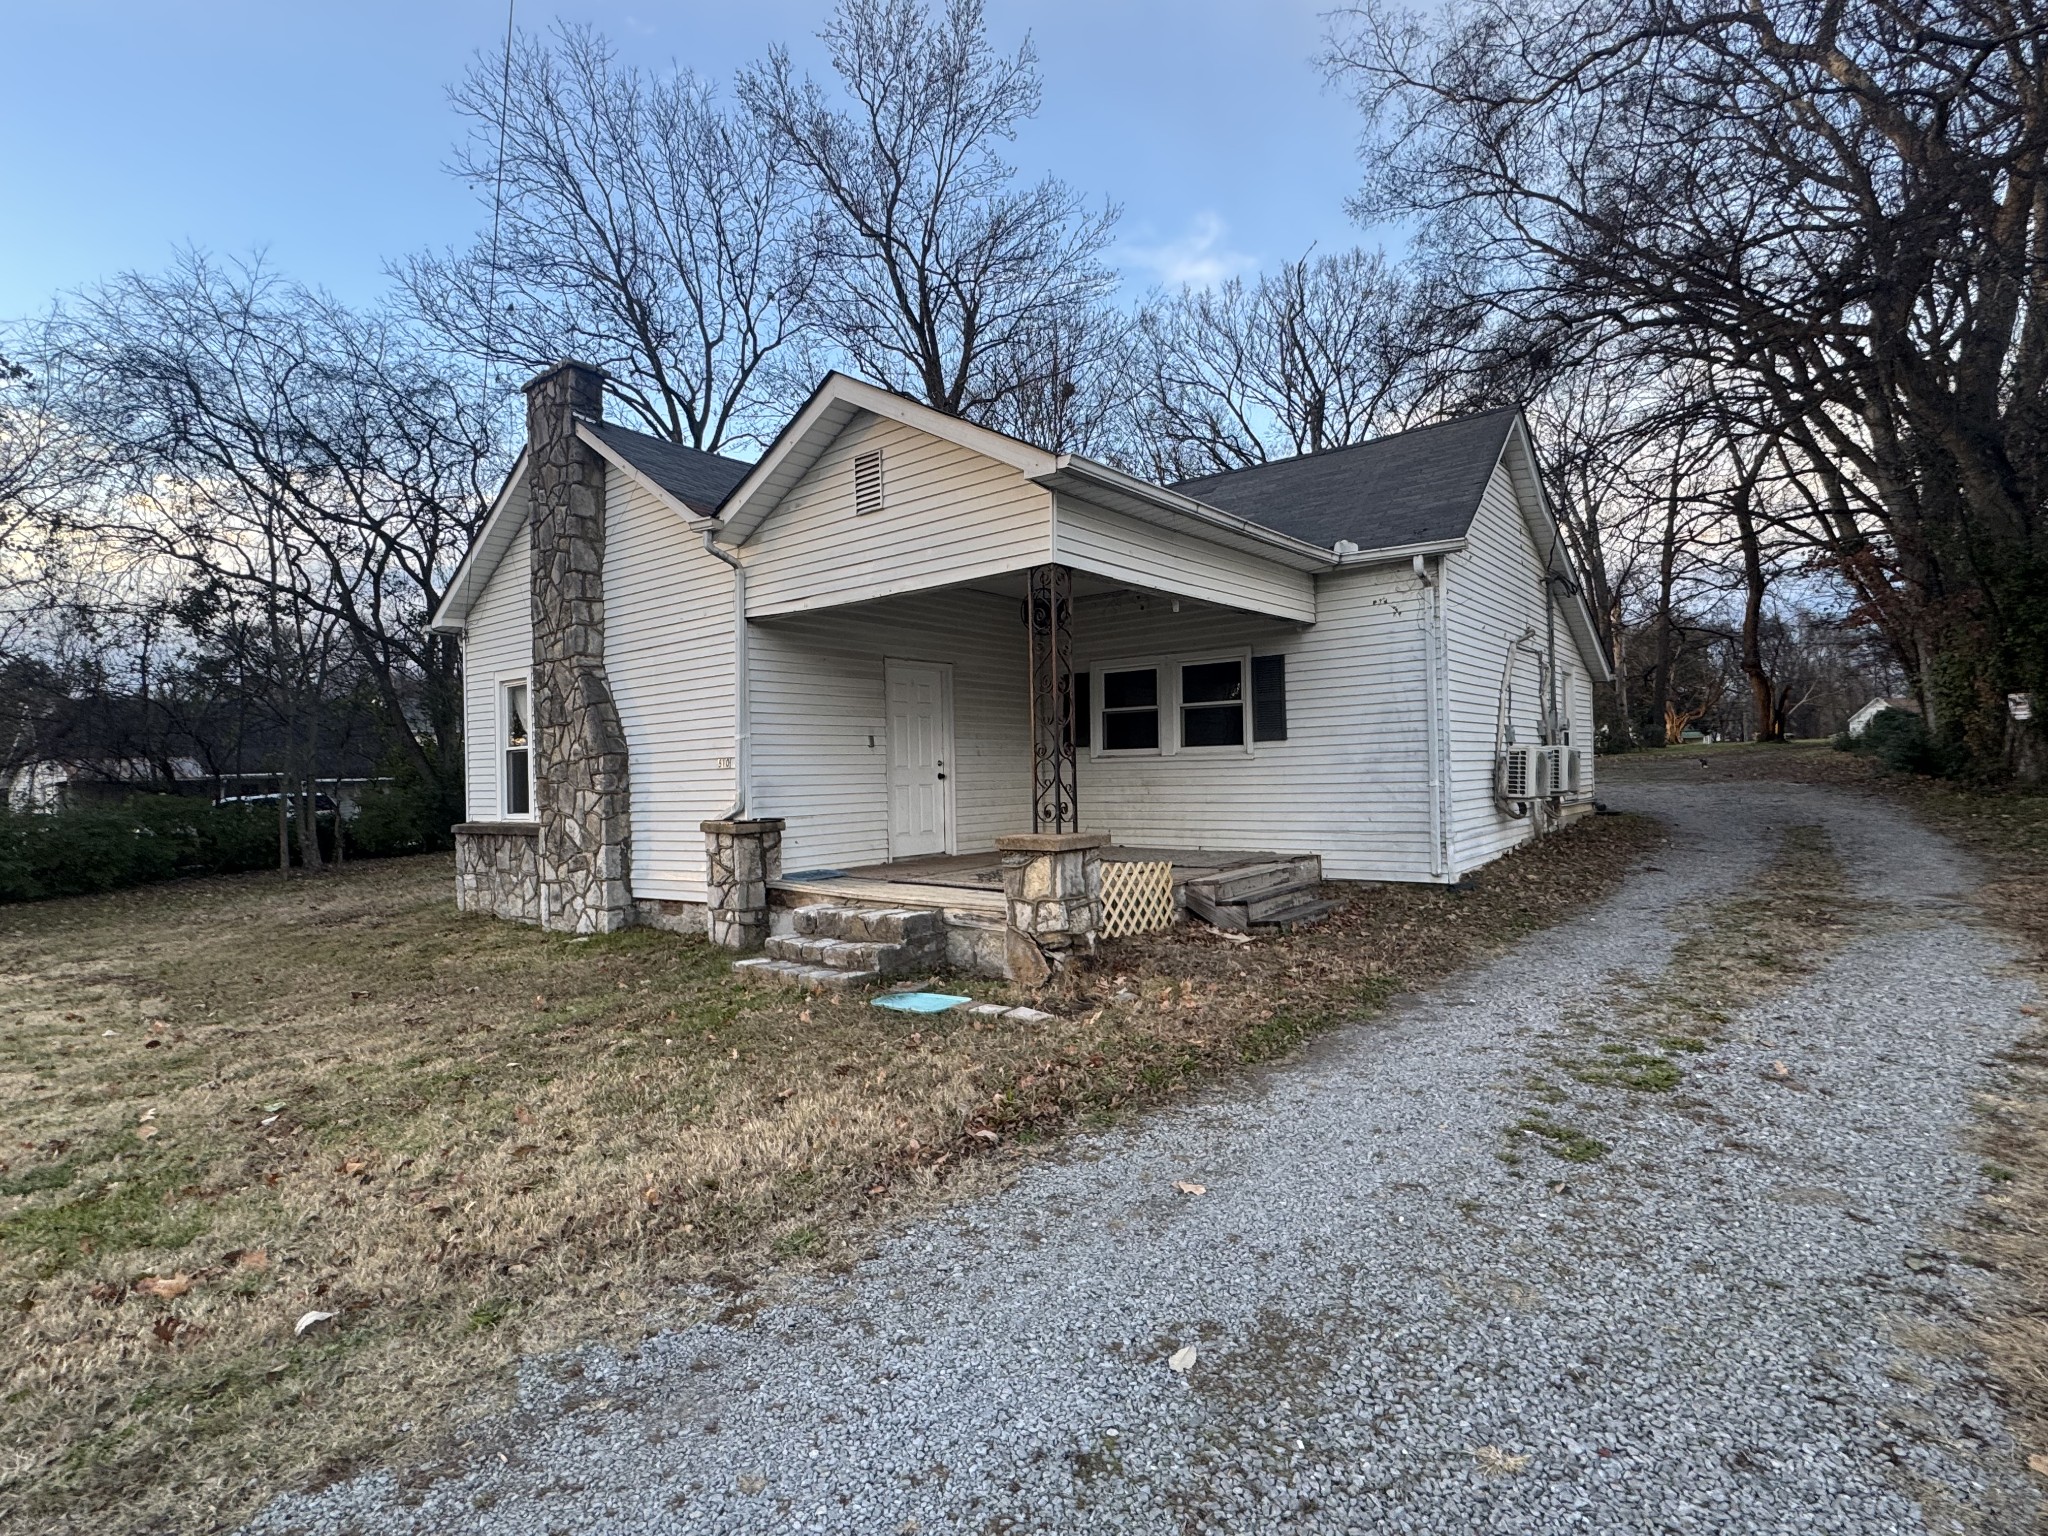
(580, 770)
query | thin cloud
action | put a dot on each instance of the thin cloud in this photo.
(1197, 259)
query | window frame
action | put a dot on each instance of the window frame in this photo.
(1166, 666)
(506, 682)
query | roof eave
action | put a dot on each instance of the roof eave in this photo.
(1242, 531)
(451, 614)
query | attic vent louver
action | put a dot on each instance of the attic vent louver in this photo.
(867, 481)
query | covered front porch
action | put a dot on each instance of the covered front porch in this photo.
(898, 738)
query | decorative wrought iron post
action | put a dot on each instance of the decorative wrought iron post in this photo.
(1055, 804)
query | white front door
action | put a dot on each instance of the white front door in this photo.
(920, 752)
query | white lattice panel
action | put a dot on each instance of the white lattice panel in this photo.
(1137, 897)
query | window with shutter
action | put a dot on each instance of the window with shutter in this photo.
(867, 481)
(1269, 698)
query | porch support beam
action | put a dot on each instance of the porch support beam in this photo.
(1055, 801)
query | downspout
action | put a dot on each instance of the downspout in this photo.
(1433, 680)
(742, 715)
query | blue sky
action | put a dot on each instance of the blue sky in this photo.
(319, 132)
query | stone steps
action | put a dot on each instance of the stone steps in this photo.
(846, 946)
(794, 973)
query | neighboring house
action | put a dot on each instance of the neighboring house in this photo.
(1860, 721)
(859, 646)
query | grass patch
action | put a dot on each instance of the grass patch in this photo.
(1563, 1141)
(472, 1141)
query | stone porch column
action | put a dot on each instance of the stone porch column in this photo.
(581, 792)
(1052, 884)
(740, 858)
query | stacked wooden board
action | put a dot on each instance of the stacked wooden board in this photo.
(1274, 897)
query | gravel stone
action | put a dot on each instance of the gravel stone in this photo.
(1709, 1330)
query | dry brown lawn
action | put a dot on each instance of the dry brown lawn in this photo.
(226, 1105)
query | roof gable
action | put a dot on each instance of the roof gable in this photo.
(1416, 487)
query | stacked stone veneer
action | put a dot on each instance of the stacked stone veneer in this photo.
(740, 858)
(497, 870)
(1052, 885)
(581, 789)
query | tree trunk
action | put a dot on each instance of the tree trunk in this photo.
(309, 823)
(284, 832)
(1764, 696)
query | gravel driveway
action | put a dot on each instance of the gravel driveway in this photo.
(1736, 1321)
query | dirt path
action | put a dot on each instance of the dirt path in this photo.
(1566, 1246)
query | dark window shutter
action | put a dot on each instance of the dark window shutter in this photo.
(1269, 698)
(1084, 723)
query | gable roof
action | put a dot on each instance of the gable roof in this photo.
(690, 480)
(699, 480)
(1416, 487)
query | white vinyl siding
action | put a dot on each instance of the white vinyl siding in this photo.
(947, 514)
(1105, 543)
(1493, 593)
(821, 728)
(497, 646)
(1351, 780)
(668, 655)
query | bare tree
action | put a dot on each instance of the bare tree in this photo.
(636, 225)
(943, 276)
(1840, 202)
(1323, 352)
(264, 440)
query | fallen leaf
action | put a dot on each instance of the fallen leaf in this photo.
(525, 1149)
(144, 1132)
(2038, 1464)
(984, 1135)
(1182, 1360)
(522, 1114)
(272, 1109)
(166, 1286)
(1779, 1069)
(651, 1195)
(351, 1166)
(1492, 1458)
(753, 1484)
(311, 1320)
(253, 1258)
(1190, 1189)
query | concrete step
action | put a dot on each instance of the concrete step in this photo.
(856, 955)
(867, 925)
(793, 973)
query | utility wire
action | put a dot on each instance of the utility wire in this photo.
(497, 208)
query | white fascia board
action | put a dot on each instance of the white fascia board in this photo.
(1549, 539)
(824, 416)
(492, 539)
(617, 460)
(1222, 527)
(1396, 554)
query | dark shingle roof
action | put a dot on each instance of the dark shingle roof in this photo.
(700, 481)
(1412, 487)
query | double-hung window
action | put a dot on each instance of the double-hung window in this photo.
(516, 784)
(1212, 703)
(1130, 710)
(1172, 705)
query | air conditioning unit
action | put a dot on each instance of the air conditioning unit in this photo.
(1517, 771)
(1539, 773)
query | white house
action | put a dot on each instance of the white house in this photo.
(900, 637)
(1860, 721)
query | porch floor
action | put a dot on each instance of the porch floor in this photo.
(973, 882)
